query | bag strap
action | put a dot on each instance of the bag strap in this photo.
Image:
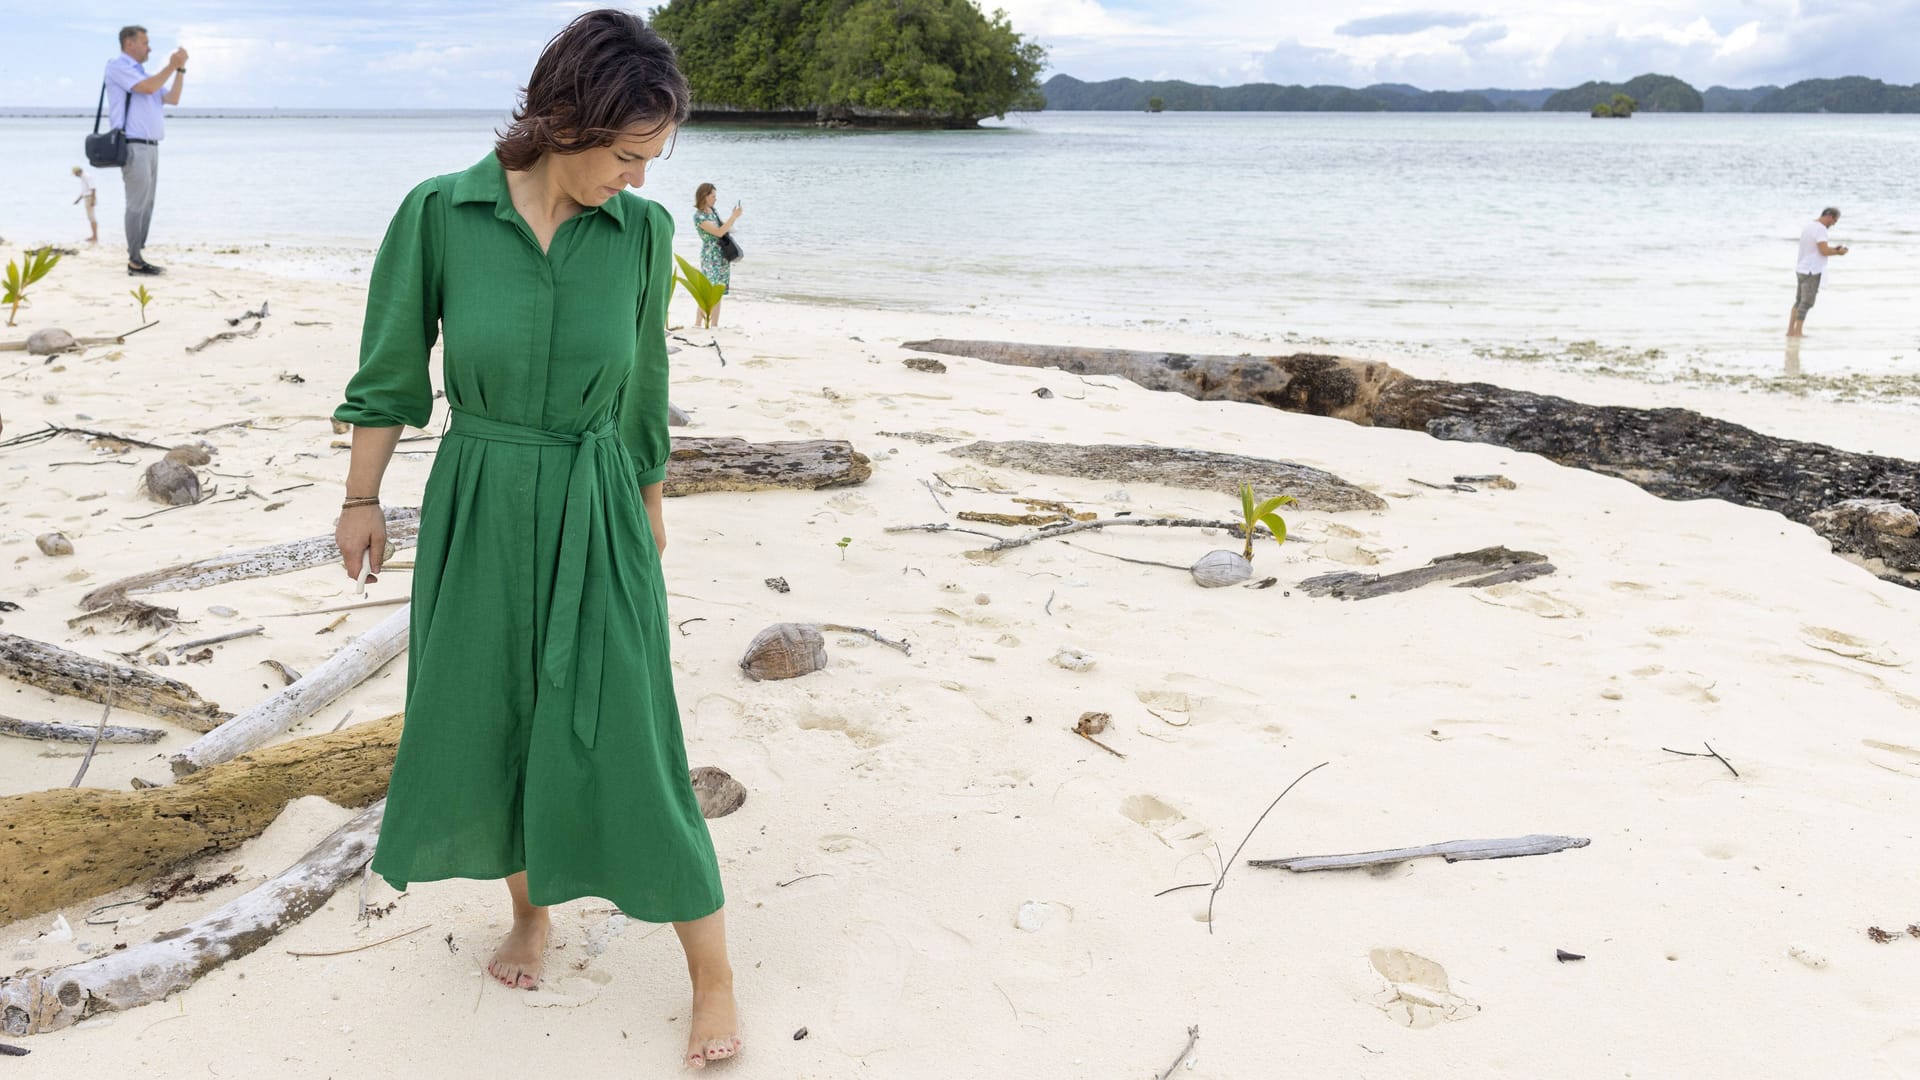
(100, 109)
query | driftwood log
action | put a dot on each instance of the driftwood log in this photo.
(69, 844)
(50, 667)
(720, 464)
(1864, 504)
(1451, 850)
(403, 522)
(40, 729)
(314, 691)
(1176, 467)
(1486, 566)
(171, 961)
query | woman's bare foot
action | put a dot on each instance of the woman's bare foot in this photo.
(714, 1036)
(520, 959)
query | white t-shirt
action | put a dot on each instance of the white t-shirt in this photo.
(1811, 261)
(86, 185)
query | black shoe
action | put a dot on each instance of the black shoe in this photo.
(143, 269)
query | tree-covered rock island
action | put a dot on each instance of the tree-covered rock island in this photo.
(864, 63)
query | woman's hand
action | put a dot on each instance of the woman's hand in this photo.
(651, 498)
(362, 530)
(735, 216)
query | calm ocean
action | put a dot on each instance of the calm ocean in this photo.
(1405, 235)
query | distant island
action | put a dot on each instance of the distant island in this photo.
(1651, 93)
(869, 63)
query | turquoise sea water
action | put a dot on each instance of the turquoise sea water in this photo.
(1503, 234)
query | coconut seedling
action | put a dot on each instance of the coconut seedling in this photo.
(142, 297)
(33, 266)
(704, 292)
(1217, 568)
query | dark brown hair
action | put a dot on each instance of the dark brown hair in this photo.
(606, 72)
(700, 195)
(128, 33)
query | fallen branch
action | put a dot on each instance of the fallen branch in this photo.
(1172, 466)
(1486, 566)
(1193, 1037)
(361, 605)
(402, 525)
(51, 732)
(941, 527)
(93, 744)
(1451, 850)
(172, 961)
(319, 688)
(225, 335)
(1234, 527)
(1711, 752)
(901, 645)
(67, 845)
(220, 638)
(1228, 863)
(714, 345)
(52, 431)
(52, 668)
(368, 945)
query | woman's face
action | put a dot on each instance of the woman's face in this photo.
(712, 197)
(591, 177)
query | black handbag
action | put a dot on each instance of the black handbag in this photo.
(109, 150)
(730, 248)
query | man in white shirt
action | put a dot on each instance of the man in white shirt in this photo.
(138, 101)
(86, 197)
(1814, 252)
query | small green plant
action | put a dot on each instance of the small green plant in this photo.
(142, 297)
(842, 545)
(31, 268)
(704, 292)
(1263, 514)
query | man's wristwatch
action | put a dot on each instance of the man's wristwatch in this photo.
(180, 71)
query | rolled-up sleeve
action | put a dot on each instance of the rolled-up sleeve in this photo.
(392, 387)
(643, 404)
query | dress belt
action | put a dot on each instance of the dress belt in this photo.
(577, 622)
(149, 142)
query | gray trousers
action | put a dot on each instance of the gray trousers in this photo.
(141, 175)
(1804, 294)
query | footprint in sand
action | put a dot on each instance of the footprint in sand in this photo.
(567, 991)
(1844, 644)
(1167, 824)
(1417, 993)
(1690, 685)
(1893, 757)
(1532, 601)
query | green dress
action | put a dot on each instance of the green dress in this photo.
(541, 732)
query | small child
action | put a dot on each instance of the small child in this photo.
(87, 196)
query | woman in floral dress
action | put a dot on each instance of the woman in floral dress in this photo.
(712, 263)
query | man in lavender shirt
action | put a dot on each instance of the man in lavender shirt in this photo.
(141, 116)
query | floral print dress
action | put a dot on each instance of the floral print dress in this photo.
(712, 263)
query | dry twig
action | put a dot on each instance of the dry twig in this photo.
(1228, 864)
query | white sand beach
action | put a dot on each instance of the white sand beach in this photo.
(902, 810)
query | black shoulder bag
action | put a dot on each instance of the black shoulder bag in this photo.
(108, 151)
(730, 248)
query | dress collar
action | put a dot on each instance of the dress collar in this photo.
(486, 181)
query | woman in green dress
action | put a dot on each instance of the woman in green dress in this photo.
(713, 264)
(542, 742)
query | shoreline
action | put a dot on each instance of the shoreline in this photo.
(903, 809)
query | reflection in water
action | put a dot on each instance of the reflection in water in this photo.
(1793, 356)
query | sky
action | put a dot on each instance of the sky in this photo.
(385, 54)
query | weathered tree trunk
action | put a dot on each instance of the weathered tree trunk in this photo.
(720, 464)
(40, 729)
(341, 672)
(1864, 504)
(62, 846)
(1487, 566)
(403, 522)
(1175, 467)
(149, 972)
(50, 667)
